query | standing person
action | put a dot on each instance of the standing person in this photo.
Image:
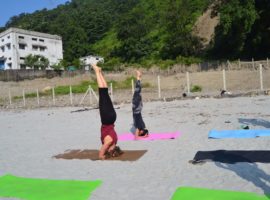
(137, 105)
(108, 118)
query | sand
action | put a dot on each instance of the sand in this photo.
(30, 138)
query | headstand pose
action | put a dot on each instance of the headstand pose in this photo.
(140, 130)
(108, 117)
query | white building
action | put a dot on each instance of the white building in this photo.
(88, 60)
(16, 44)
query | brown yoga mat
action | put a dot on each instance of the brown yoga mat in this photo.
(128, 155)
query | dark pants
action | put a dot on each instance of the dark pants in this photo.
(106, 109)
(138, 121)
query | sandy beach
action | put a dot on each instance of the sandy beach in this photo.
(30, 138)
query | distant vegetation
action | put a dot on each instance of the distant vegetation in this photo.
(149, 32)
(196, 88)
(82, 88)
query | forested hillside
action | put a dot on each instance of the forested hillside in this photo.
(151, 32)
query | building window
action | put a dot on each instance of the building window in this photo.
(35, 47)
(22, 58)
(3, 48)
(8, 36)
(22, 46)
(9, 58)
(9, 65)
(42, 48)
(21, 37)
(41, 40)
(34, 39)
(8, 46)
(3, 40)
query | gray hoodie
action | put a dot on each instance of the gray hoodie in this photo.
(137, 104)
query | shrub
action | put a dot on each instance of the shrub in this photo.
(196, 88)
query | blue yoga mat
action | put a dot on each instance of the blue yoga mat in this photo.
(238, 133)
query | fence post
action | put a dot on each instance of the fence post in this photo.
(9, 95)
(90, 94)
(85, 94)
(261, 77)
(70, 95)
(53, 95)
(37, 97)
(229, 65)
(224, 79)
(24, 98)
(159, 90)
(253, 64)
(132, 86)
(239, 64)
(111, 87)
(267, 63)
(94, 93)
(188, 84)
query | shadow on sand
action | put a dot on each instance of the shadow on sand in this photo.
(255, 122)
(250, 172)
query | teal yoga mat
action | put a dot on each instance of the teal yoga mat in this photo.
(189, 193)
(238, 133)
(44, 189)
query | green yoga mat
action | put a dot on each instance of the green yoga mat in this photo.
(186, 193)
(44, 189)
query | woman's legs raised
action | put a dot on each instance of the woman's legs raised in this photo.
(100, 78)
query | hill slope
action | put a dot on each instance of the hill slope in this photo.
(155, 31)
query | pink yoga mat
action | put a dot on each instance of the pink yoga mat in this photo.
(152, 136)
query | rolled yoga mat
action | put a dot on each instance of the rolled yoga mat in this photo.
(238, 133)
(230, 157)
(45, 189)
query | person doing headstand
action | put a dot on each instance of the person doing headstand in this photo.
(108, 118)
(137, 105)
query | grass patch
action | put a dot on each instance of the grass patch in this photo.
(1, 102)
(196, 88)
(76, 89)
(82, 88)
(126, 84)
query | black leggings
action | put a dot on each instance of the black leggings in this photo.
(138, 121)
(107, 112)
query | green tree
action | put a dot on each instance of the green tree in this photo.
(132, 32)
(236, 20)
(61, 65)
(179, 39)
(36, 61)
(30, 61)
(258, 40)
(77, 63)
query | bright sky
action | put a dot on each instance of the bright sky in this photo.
(11, 8)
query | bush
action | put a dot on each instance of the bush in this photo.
(196, 88)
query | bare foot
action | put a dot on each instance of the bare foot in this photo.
(139, 74)
(96, 68)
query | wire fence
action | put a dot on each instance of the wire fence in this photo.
(162, 85)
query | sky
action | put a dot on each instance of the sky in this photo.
(11, 8)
